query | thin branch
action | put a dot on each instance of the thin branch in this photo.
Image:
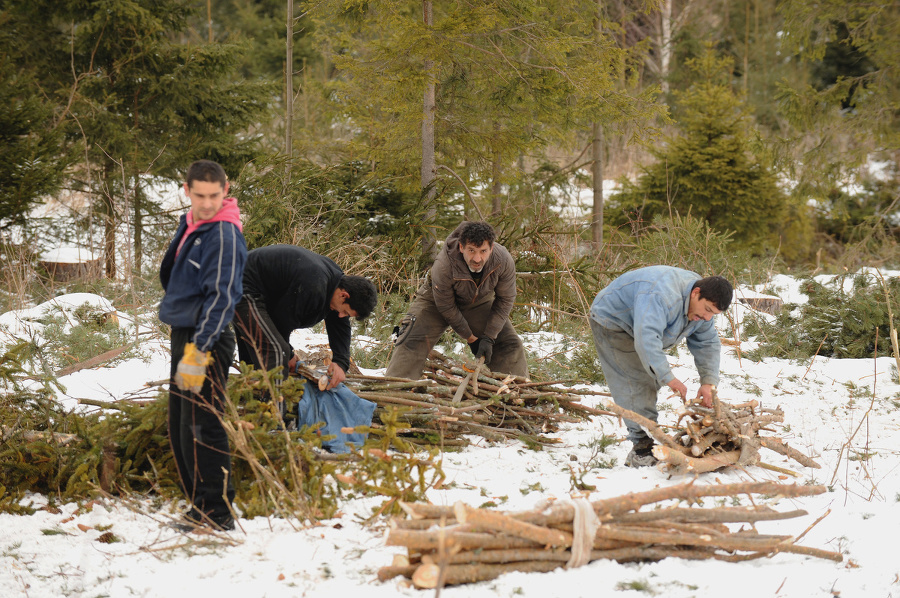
(465, 188)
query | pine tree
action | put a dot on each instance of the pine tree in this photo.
(511, 78)
(30, 143)
(847, 108)
(709, 169)
(136, 100)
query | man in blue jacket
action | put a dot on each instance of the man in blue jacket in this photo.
(288, 287)
(201, 274)
(641, 314)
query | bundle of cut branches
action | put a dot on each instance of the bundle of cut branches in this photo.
(709, 438)
(461, 544)
(453, 399)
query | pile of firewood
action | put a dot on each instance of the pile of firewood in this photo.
(709, 438)
(453, 399)
(460, 544)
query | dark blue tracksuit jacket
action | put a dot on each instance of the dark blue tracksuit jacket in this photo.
(203, 284)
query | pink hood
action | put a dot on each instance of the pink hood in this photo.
(228, 213)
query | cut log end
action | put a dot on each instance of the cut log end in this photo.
(426, 576)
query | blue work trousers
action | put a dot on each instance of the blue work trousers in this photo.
(629, 383)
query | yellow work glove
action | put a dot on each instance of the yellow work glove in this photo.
(191, 370)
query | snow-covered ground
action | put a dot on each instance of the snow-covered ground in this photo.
(842, 412)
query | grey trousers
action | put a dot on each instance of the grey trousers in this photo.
(629, 383)
(423, 325)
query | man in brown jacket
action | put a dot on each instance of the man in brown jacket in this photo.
(471, 288)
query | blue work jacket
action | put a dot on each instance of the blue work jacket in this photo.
(651, 305)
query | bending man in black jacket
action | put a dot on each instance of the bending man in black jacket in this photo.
(288, 287)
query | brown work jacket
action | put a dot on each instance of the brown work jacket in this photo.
(449, 286)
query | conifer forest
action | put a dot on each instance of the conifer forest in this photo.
(757, 140)
(374, 127)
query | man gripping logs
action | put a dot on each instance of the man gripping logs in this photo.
(471, 288)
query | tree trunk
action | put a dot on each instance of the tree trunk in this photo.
(665, 45)
(746, 49)
(429, 240)
(597, 162)
(289, 87)
(597, 175)
(109, 223)
(138, 225)
(496, 186)
(305, 95)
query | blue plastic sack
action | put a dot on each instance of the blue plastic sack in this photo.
(337, 408)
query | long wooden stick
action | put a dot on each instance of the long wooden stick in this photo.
(459, 574)
(774, 444)
(93, 361)
(679, 463)
(499, 522)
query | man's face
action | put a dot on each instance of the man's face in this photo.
(701, 309)
(476, 256)
(340, 305)
(206, 198)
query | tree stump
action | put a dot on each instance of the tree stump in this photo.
(71, 263)
(765, 303)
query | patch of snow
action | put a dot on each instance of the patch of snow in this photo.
(68, 255)
(844, 413)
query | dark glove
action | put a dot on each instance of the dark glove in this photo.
(485, 348)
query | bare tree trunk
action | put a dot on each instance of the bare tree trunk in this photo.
(289, 87)
(597, 162)
(209, 20)
(305, 95)
(496, 187)
(746, 49)
(429, 240)
(138, 224)
(109, 224)
(665, 45)
(597, 175)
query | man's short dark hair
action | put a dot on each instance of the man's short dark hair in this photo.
(476, 233)
(206, 171)
(715, 289)
(363, 295)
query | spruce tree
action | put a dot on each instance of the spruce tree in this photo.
(708, 168)
(30, 143)
(511, 78)
(846, 109)
(136, 100)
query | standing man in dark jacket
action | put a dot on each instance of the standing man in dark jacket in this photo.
(201, 275)
(471, 288)
(288, 287)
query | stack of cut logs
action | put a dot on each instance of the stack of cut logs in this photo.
(454, 399)
(710, 438)
(460, 544)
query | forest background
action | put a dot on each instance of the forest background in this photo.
(746, 136)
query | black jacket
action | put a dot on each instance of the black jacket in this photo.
(297, 285)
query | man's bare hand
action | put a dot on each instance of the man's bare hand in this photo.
(678, 387)
(705, 394)
(336, 374)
